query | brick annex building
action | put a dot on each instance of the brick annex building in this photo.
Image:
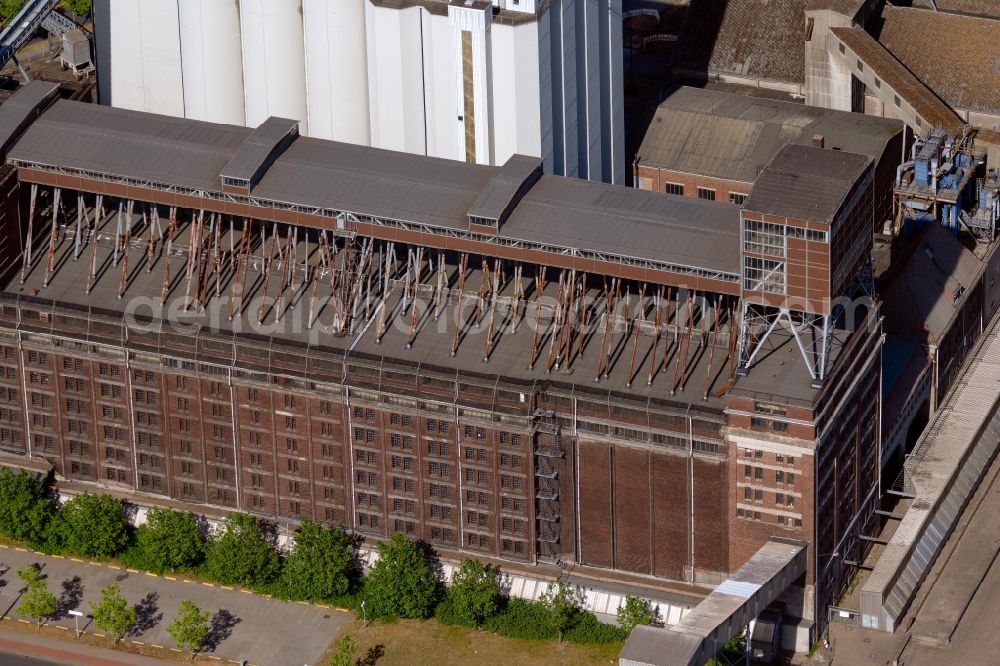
(694, 385)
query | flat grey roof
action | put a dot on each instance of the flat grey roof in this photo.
(806, 183)
(724, 135)
(18, 110)
(376, 182)
(565, 213)
(130, 144)
(629, 222)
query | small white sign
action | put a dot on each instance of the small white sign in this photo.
(75, 613)
(843, 614)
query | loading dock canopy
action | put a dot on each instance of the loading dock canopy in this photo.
(723, 613)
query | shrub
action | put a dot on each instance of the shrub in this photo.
(319, 566)
(241, 553)
(586, 628)
(475, 592)
(633, 612)
(25, 511)
(400, 583)
(522, 619)
(92, 525)
(169, 540)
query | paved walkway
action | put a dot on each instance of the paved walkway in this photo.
(260, 630)
(15, 646)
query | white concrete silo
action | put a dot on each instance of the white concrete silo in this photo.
(145, 57)
(274, 70)
(212, 60)
(337, 70)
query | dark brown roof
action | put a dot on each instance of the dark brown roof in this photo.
(806, 183)
(962, 62)
(845, 7)
(980, 7)
(902, 80)
(753, 38)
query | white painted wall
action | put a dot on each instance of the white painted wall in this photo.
(353, 71)
(443, 107)
(146, 57)
(336, 61)
(274, 70)
(211, 54)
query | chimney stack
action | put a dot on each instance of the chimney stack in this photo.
(819, 140)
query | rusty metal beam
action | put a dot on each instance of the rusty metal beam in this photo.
(539, 287)
(168, 250)
(53, 232)
(656, 336)
(463, 264)
(636, 325)
(98, 214)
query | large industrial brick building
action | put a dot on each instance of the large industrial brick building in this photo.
(498, 361)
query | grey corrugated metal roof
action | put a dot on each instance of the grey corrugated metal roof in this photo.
(20, 109)
(130, 144)
(649, 646)
(629, 222)
(371, 181)
(253, 155)
(806, 183)
(502, 190)
(563, 212)
(719, 134)
(932, 287)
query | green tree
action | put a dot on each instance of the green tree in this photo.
(111, 613)
(189, 628)
(92, 525)
(344, 651)
(81, 7)
(319, 566)
(25, 511)
(36, 600)
(8, 8)
(475, 592)
(633, 612)
(241, 553)
(169, 540)
(400, 583)
(561, 604)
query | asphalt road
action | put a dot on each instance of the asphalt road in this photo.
(12, 659)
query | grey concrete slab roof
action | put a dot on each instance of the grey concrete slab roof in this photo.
(628, 222)
(130, 144)
(806, 183)
(725, 135)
